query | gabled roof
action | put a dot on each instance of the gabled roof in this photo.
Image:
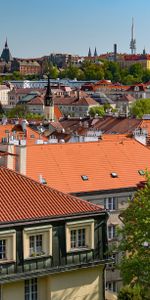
(25, 199)
(62, 165)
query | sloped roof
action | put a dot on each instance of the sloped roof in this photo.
(25, 199)
(62, 165)
(83, 101)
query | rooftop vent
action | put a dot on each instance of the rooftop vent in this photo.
(42, 180)
(141, 172)
(84, 177)
(114, 175)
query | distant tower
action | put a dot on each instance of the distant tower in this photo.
(48, 102)
(95, 52)
(144, 51)
(115, 52)
(133, 41)
(89, 53)
(6, 55)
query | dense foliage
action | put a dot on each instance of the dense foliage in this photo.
(135, 241)
(140, 108)
(89, 70)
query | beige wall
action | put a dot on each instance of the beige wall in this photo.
(85, 284)
(13, 291)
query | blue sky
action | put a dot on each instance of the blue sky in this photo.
(39, 27)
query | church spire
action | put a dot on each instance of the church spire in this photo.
(48, 102)
(89, 53)
(6, 44)
(95, 52)
(48, 99)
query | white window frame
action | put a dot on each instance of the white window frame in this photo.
(110, 203)
(88, 226)
(3, 245)
(36, 244)
(10, 243)
(46, 232)
(111, 231)
(31, 289)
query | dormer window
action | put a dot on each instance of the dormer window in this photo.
(8, 245)
(80, 235)
(37, 241)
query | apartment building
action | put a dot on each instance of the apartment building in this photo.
(52, 245)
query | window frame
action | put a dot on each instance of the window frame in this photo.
(10, 245)
(31, 289)
(110, 203)
(46, 233)
(88, 227)
(111, 232)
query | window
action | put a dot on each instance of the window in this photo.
(84, 177)
(37, 241)
(2, 249)
(35, 245)
(8, 245)
(78, 238)
(111, 231)
(80, 235)
(110, 203)
(111, 286)
(31, 289)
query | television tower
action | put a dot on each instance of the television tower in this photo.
(133, 41)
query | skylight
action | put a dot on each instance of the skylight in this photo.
(84, 177)
(141, 172)
(114, 174)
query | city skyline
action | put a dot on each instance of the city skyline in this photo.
(34, 28)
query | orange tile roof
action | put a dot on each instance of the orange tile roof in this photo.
(26, 199)
(57, 113)
(62, 165)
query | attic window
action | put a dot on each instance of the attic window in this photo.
(114, 175)
(84, 177)
(141, 172)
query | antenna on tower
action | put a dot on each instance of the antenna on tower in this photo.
(133, 41)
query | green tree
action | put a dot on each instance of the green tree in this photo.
(140, 107)
(129, 293)
(97, 110)
(146, 76)
(137, 71)
(135, 241)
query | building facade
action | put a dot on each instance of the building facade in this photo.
(53, 247)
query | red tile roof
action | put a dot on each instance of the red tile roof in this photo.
(62, 165)
(24, 198)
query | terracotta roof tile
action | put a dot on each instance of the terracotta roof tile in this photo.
(25, 199)
(62, 165)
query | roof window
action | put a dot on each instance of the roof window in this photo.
(84, 177)
(114, 175)
(141, 172)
